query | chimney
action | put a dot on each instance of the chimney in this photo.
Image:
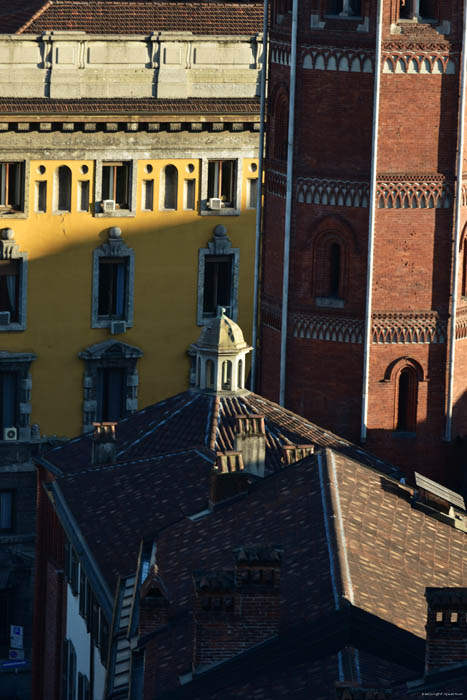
(104, 443)
(235, 610)
(250, 440)
(228, 477)
(446, 628)
(154, 604)
(294, 453)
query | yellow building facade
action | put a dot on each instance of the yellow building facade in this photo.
(124, 223)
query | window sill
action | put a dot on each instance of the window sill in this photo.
(220, 212)
(330, 302)
(12, 214)
(105, 322)
(357, 18)
(404, 434)
(124, 213)
(14, 327)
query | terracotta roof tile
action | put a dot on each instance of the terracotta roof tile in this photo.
(134, 17)
(149, 106)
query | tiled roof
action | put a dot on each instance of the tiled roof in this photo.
(132, 17)
(128, 502)
(192, 105)
(195, 418)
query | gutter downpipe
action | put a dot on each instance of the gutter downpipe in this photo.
(288, 203)
(371, 227)
(262, 109)
(455, 275)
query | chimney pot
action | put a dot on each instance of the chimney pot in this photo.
(104, 446)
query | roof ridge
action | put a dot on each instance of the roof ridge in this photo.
(214, 423)
(37, 14)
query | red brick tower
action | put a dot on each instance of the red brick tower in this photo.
(368, 351)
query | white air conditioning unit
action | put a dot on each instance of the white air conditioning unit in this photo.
(117, 327)
(4, 318)
(108, 205)
(10, 433)
(215, 203)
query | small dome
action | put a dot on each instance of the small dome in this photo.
(222, 334)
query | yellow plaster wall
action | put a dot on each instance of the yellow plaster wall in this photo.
(166, 244)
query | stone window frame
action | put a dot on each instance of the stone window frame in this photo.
(9, 250)
(25, 162)
(346, 12)
(108, 354)
(20, 362)
(114, 247)
(220, 245)
(133, 181)
(228, 211)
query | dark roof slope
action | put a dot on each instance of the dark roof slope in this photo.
(134, 17)
(196, 418)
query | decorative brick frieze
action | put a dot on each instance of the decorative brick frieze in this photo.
(414, 192)
(336, 329)
(392, 327)
(337, 59)
(461, 324)
(409, 327)
(410, 62)
(276, 183)
(280, 53)
(334, 193)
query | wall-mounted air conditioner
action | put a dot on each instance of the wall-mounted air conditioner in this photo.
(4, 318)
(108, 205)
(214, 203)
(10, 433)
(117, 327)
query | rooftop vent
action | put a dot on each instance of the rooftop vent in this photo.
(439, 501)
(104, 443)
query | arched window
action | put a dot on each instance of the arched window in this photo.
(464, 270)
(281, 127)
(210, 374)
(334, 270)
(240, 374)
(64, 188)
(426, 10)
(170, 187)
(227, 374)
(407, 395)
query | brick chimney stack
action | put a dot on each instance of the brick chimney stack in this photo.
(294, 453)
(446, 629)
(250, 440)
(235, 610)
(228, 476)
(104, 443)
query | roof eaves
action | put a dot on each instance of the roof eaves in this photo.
(85, 555)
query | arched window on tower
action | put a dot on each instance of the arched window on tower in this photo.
(407, 396)
(227, 374)
(210, 374)
(334, 270)
(329, 261)
(63, 188)
(281, 127)
(464, 270)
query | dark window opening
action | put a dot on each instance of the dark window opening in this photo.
(148, 195)
(5, 621)
(217, 284)
(190, 189)
(407, 401)
(428, 9)
(464, 271)
(113, 273)
(221, 181)
(352, 8)
(11, 186)
(69, 671)
(84, 195)
(8, 400)
(41, 195)
(9, 288)
(74, 569)
(84, 688)
(335, 270)
(110, 393)
(252, 192)
(6, 511)
(281, 127)
(64, 188)
(116, 183)
(170, 187)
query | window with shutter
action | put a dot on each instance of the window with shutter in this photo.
(12, 186)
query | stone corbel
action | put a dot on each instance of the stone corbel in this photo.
(8, 246)
(220, 242)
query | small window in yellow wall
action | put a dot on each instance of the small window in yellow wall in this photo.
(116, 183)
(11, 186)
(148, 195)
(252, 192)
(41, 196)
(83, 195)
(190, 190)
